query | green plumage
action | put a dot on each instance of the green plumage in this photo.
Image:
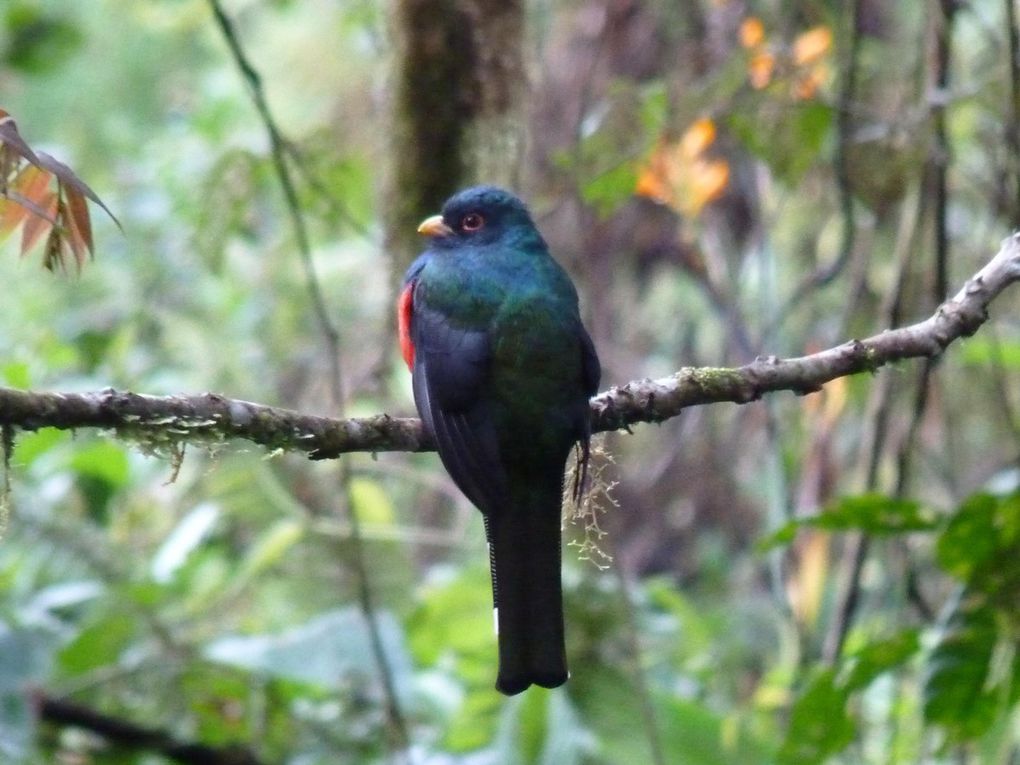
(502, 371)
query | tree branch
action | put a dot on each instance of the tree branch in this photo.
(129, 735)
(211, 418)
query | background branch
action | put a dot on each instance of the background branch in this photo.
(211, 418)
(126, 734)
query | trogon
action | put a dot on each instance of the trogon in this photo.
(502, 370)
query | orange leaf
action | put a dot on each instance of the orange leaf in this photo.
(70, 236)
(707, 180)
(26, 194)
(698, 137)
(760, 69)
(78, 223)
(32, 184)
(651, 185)
(810, 81)
(37, 225)
(805, 586)
(11, 214)
(18, 210)
(653, 178)
(752, 32)
(810, 46)
(677, 174)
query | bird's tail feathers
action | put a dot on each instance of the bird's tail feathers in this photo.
(524, 554)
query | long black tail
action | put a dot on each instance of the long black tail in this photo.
(524, 552)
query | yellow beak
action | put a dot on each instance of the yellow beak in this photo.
(434, 226)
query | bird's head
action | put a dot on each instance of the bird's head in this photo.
(479, 215)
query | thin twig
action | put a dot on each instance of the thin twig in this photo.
(904, 462)
(854, 554)
(1013, 131)
(7, 449)
(941, 151)
(279, 151)
(315, 183)
(396, 725)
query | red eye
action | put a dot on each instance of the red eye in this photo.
(472, 222)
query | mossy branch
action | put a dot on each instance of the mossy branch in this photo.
(210, 417)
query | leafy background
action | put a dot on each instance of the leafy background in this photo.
(693, 166)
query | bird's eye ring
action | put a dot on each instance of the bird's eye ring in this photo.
(472, 222)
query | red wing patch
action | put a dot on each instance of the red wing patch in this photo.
(404, 310)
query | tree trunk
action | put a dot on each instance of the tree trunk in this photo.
(457, 120)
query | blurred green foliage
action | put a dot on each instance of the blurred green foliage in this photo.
(221, 602)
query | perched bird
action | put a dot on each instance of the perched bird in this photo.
(502, 371)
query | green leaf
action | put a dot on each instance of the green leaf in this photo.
(455, 618)
(61, 597)
(788, 137)
(523, 728)
(876, 658)
(326, 651)
(654, 108)
(540, 727)
(566, 737)
(16, 374)
(475, 721)
(957, 693)
(371, 502)
(979, 544)
(271, 546)
(30, 446)
(37, 40)
(699, 626)
(25, 660)
(782, 536)
(984, 351)
(694, 734)
(875, 514)
(819, 723)
(606, 698)
(610, 188)
(690, 732)
(99, 644)
(146, 593)
(94, 347)
(102, 471)
(968, 540)
(870, 513)
(103, 460)
(186, 536)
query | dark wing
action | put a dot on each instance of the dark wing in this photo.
(591, 373)
(591, 370)
(449, 376)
